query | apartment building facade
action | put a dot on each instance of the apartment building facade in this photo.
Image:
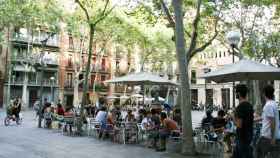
(32, 63)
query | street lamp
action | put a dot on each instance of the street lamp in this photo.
(233, 38)
(52, 83)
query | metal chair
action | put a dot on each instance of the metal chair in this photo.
(130, 130)
(67, 125)
(94, 126)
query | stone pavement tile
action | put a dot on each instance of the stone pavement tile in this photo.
(176, 155)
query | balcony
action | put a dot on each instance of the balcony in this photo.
(46, 83)
(24, 37)
(68, 85)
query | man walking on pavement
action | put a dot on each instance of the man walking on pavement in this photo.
(270, 124)
(243, 117)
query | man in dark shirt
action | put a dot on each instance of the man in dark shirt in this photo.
(219, 122)
(244, 117)
(206, 122)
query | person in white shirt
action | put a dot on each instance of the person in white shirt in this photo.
(101, 116)
(270, 124)
(146, 122)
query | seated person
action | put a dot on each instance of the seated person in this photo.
(219, 122)
(16, 108)
(177, 117)
(146, 123)
(207, 121)
(168, 125)
(11, 110)
(229, 132)
(48, 117)
(59, 110)
(110, 118)
(101, 117)
(130, 117)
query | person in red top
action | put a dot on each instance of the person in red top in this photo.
(60, 110)
(168, 126)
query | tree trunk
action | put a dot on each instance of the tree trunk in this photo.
(76, 100)
(9, 55)
(257, 95)
(24, 89)
(85, 86)
(25, 82)
(188, 146)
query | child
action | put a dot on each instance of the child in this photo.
(48, 117)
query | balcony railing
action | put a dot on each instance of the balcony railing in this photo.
(52, 41)
(46, 83)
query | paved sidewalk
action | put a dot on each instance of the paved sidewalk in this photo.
(27, 141)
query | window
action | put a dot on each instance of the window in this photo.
(70, 57)
(81, 76)
(103, 64)
(193, 77)
(220, 54)
(224, 54)
(117, 64)
(69, 79)
(178, 78)
(103, 78)
(71, 42)
(92, 79)
(209, 97)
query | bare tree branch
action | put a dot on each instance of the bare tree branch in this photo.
(104, 14)
(167, 12)
(204, 46)
(84, 9)
(194, 27)
(170, 18)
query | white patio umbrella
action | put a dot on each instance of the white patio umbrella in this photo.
(142, 78)
(112, 97)
(137, 96)
(243, 70)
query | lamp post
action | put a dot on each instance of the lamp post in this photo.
(52, 92)
(233, 38)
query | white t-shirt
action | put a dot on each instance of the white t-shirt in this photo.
(101, 116)
(145, 121)
(269, 110)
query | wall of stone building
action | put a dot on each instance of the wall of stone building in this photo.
(277, 90)
(201, 96)
(217, 96)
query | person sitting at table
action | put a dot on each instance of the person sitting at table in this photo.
(207, 121)
(219, 122)
(168, 126)
(146, 123)
(111, 118)
(101, 117)
(130, 117)
(48, 117)
(59, 110)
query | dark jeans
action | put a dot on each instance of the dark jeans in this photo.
(264, 147)
(242, 150)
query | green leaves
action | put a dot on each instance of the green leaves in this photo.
(35, 13)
